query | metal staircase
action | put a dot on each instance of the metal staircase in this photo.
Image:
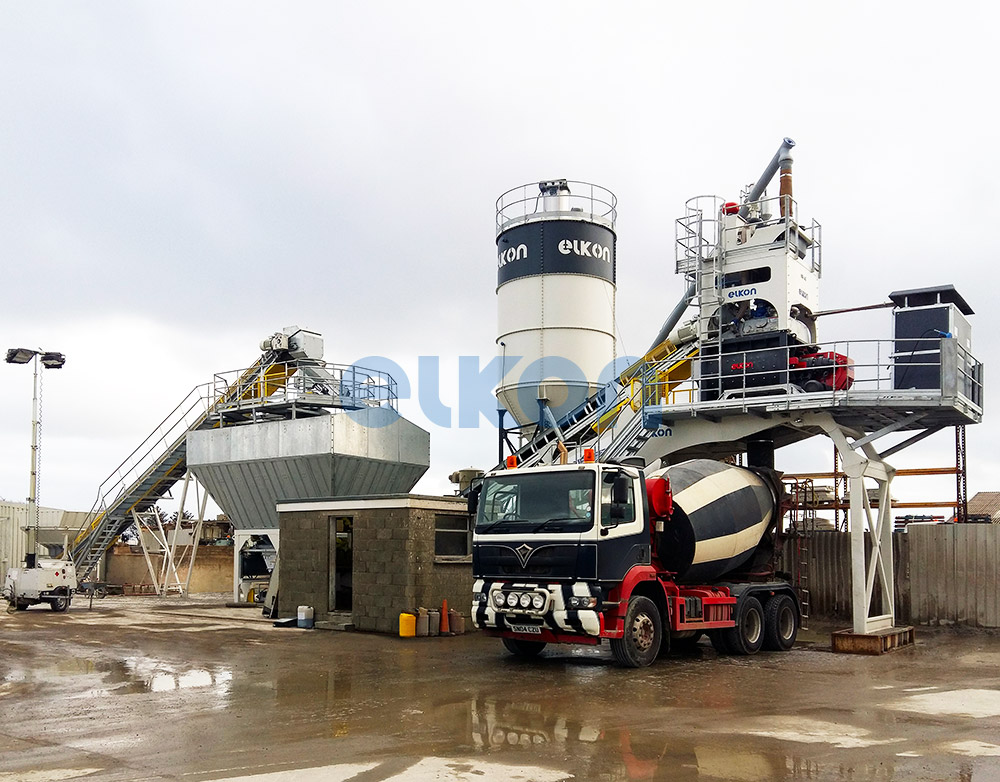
(613, 427)
(149, 472)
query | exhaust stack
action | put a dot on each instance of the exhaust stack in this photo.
(782, 159)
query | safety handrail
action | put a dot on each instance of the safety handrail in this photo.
(585, 199)
(882, 366)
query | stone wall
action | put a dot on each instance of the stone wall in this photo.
(213, 567)
(394, 565)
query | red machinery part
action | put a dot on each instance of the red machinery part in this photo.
(661, 500)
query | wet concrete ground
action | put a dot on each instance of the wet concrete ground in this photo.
(141, 689)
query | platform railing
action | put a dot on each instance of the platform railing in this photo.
(315, 383)
(864, 369)
(700, 233)
(584, 200)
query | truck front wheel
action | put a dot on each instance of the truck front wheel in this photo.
(643, 634)
(781, 623)
(748, 635)
(521, 648)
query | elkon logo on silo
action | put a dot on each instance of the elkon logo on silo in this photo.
(585, 249)
(513, 254)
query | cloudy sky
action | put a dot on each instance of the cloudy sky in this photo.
(182, 179)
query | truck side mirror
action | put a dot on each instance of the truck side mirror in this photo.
(474, 493)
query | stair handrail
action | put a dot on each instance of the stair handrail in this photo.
(165, 433)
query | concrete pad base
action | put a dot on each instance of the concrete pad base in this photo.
(878, 642)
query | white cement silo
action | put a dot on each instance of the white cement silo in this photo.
(555, 295)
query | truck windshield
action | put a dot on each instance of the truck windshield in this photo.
(550, 501)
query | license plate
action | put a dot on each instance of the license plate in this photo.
(528, 629)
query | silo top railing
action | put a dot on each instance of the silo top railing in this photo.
(583, 201)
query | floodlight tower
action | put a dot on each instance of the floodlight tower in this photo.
(50, 360)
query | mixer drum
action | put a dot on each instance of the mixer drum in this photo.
(721, 512)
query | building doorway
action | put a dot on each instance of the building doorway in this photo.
(341, 562)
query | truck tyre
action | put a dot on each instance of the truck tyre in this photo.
(718, 639)
(59, 604)
(781, 623)
(748, 635)
(20, 605)
(520, 648)
(643, 634)
(686, 642)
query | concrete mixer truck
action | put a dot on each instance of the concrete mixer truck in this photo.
(579, 553)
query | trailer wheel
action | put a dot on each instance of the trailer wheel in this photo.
(59, 604)
(643, 634)
(748, 635)
(520, 648)
(20, 605)
(781, 623)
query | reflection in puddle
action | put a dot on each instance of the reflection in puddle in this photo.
(146, 674)
(614, 752)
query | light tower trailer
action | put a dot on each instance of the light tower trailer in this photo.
(586, 552)
(51, 581)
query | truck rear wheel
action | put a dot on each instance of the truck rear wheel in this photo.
(20, 605)
(748, 635)
(718, 639)
(781, 623)
(643, 634)
(521, 648)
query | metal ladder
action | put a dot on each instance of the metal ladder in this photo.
(802, 524)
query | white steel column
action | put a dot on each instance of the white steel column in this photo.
(145, 551)
(878, 527)
(197, 536)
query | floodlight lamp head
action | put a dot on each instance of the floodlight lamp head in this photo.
(53, 360)
(20, 355)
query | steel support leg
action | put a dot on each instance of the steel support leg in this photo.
(876, 528)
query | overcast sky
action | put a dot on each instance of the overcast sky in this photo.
(183, 179)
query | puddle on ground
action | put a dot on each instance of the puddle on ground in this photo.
(809, 731)
(422, 770)
(47, 775)
(975, 749)
(960, 703)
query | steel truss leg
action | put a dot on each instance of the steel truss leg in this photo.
(861, 461)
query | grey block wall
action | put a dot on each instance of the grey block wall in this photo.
(303, 562)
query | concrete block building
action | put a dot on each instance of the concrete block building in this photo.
(374, 557)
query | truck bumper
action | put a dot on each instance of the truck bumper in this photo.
(556, 616)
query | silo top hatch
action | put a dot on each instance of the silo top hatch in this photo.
(556, 199)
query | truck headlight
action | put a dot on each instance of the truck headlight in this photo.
(582, 602)
(537, 601)
(498, 599)
(478, 597)
(525, 600)
(512, 599)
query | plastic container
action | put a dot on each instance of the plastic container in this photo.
(422, 624)
(407, 625)
(434, 622)
(456, 622)
(305, 617)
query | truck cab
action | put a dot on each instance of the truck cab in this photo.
(563, 531)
